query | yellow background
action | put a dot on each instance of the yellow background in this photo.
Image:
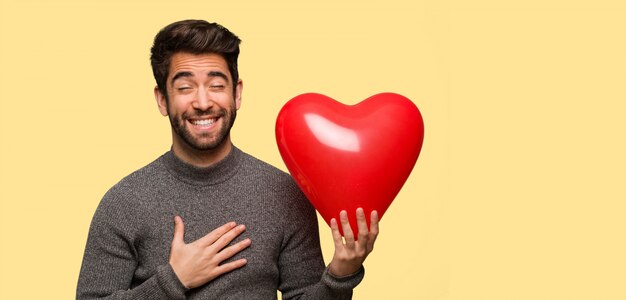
(520, 190)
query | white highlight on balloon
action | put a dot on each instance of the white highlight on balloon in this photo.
(331, 134)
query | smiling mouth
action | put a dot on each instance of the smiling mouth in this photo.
(203, 122)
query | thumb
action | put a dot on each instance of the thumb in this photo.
(179, 231)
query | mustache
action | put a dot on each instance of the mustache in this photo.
(203, 113)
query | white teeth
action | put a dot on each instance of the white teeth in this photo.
(203, 122)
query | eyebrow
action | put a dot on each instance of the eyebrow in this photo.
(180, 75)
(189, 74)
(218, 74)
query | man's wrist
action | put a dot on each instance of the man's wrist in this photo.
(169, 282)
(179, 277)
(347, 282)
(342, 270)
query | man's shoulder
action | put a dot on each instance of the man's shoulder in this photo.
(270, 175)
(123, 202)
(138, 180)
(256, 164)
(280, 184)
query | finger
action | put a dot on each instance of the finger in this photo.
(362, 225)
(212, 236)
(227, 267)
(334, 228)
(228, 252)
(227, 237)
(347, 231)
(179, 231)
(373, 234)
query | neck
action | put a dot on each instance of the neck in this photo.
(201, 158)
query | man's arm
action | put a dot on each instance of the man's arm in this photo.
(110, 258)
(302, 271)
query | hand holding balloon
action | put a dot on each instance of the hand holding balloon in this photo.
(349, 256)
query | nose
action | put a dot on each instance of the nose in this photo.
(202, 101)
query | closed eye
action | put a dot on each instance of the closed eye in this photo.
(184, 89)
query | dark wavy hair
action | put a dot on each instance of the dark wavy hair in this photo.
(195, 37)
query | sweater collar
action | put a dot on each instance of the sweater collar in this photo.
(214, 174)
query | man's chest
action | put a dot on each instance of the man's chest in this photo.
(202, 212)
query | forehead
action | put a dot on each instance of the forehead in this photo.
(197, 63)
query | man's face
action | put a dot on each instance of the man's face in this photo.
(201, 105)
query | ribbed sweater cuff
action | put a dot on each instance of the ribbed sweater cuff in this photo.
(344, 283)
(169, 282)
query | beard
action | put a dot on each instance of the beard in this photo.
(179, 125)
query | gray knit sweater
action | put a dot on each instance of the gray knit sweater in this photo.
(127, 250)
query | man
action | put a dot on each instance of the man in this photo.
(242, 228)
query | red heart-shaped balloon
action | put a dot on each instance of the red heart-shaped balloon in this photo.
(344, 157)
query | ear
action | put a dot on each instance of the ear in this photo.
(161, 102)
(238, 91)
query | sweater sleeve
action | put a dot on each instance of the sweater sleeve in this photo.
(110, 258)
(303, 274)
